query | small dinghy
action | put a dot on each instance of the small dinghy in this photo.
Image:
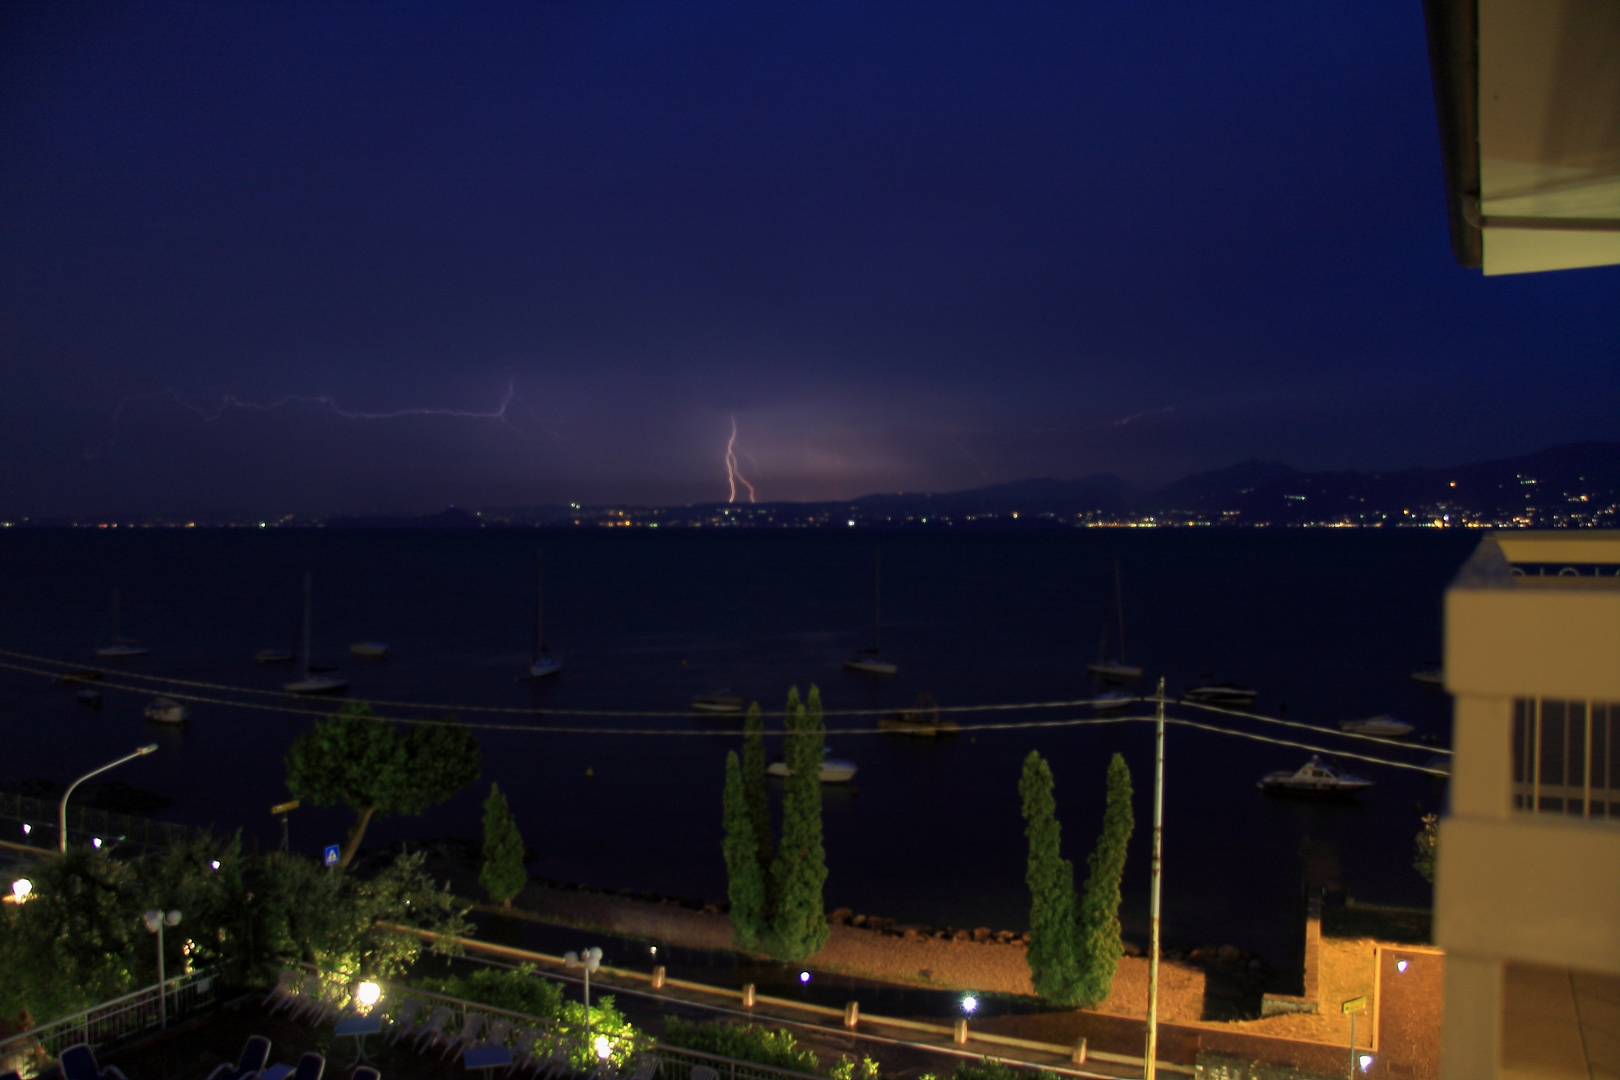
(1430, 676)
(1222, 693)
(371, 650)
(89, 696)
(833, 770)
(1383, 724)
(1314, 778)
(720, 702)
(166, 711)
(921, 719)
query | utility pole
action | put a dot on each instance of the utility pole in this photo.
(1150, 1053)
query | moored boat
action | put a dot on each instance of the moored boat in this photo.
(721, 701)
(1114, 669)
(371, 650)
(869, 660)
(833, 770)
(921, 719)
(1430, 676)
(89, 696)
(119, 647)
(1383, 724)
(1221, 693)
(166, 711)
(313, 683)
(1317, 778)
(1112, 701)
(543, 664)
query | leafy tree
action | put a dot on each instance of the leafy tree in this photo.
(753, 776)
(1052, 953)
(1427, 843)
(800, 869)
(1098, 948)
(746, 883)
(77, 941)
(207, 879)
(503, 875)
(361, 761)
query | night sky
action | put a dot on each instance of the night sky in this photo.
(346, 258)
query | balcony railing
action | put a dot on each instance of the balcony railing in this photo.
(36, 1049)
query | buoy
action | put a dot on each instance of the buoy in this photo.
(589, 771)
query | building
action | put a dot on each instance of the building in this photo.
(1527, 895)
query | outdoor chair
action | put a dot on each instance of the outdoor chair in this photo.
(647, 1068)
(470, 1027)
(282, 992)
(404, 1018)
(433, 1030)
(79, 1063)
(525, 1044)
(310, 1067)
(365, 1072)
(12, 1075)
(496, 1033)
(553, 1062)
(704, 1072)
(255, 1054)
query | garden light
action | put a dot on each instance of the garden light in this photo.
(95, 842)
(1400, 966)
(154, 922)
(603, 1047)
(969, 1003)
(27, 828)
(804, 976)
(21, 889)
(215, 864)
(1366, 1060)
(367, 994)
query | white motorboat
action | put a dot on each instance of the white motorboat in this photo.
(313, 683)
(833, 770)
(868, 660)
(1383, 724)
(1315, 777)
(119, 647)
(166, 711)
(1114, 669)
(719, 702)
(1430, 676)
(371, 650)
(1224, 693)
(273, 656)
(1112, 701)
(542, 665)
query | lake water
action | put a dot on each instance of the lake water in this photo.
(1327, 625)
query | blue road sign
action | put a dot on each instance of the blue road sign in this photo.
(331, 854)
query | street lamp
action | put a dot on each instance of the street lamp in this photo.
(21, 890)
(590, 961)
(61, 811)
(155, 921)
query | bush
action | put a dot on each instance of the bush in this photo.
(985, 1069)
(523, 991)
(764, 1046)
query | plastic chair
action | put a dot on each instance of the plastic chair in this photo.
(79, 1063)
(255, 1055)
(403, 1020)
(433, 1030)
(310, 1067)
(365, 1072)
(470, 1027)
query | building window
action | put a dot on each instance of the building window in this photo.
(1565, 760)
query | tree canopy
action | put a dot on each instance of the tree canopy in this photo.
(362, 761)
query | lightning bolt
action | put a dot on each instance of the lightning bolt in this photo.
(734, 475)
(229, 401)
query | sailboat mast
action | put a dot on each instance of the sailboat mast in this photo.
(1119, 607)
(306, 625)
(877, 598)
(539, 638)
(117, 636)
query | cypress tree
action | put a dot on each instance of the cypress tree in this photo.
(503, 875)
(753, 778)
(1053, 964)
(746, 882)
(1099, 947)
(800, 867)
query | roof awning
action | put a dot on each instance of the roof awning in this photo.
(1528, 94)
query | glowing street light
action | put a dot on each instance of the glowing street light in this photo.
(21, 890)
(969, 1003)
(154, 922)
(367, 994)
(804, 977)
(603, 1047)
(61, 810)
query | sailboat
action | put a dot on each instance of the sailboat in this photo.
(868, 660)
(542, 665)
(312, 683)
(119, 646)
(1115, 670)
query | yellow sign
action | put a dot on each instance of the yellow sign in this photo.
(285, 808)
(1354, 1005)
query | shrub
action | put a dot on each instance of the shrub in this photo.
(764, 1046)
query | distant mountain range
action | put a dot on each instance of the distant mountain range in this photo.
(1572, 485)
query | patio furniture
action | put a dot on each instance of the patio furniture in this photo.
(359, 1027)
(255, 1053)
(525, 1044)
(487, 1058)
(646, 1068)
(365, 1072)
(704, 1072)
(282, 992)
(310, 1067)
(471, 1025)
(433, 1030)
(79, 1063)
(403, 1020)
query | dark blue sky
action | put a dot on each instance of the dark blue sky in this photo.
(919, 247)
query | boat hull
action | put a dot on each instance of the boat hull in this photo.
(164, 711)
(1386, 727)
(316, 684)
(1115, 672)
(115, 652)
(833, 771)
(371, 650)
(543, 667)
(928, 729)
(871, 667)
(273, 656)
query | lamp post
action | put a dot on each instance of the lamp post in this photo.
(590, 960)
(155, 921)
(61, 810)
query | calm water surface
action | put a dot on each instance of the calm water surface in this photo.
(1327, 625)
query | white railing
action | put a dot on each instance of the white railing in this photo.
(36, 1049)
